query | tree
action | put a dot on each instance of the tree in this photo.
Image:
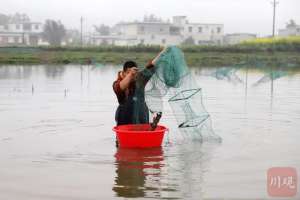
(102, 29)
(54, 32)
(3, 19)
(291, 24)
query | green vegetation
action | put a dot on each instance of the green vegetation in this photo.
(275, 44)
(283, 50)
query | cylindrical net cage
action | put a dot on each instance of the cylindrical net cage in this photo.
(171, 77)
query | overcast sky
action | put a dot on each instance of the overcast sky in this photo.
(253, 16)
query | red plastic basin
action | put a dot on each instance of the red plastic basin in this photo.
(139, 135)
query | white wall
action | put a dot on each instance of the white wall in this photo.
(208, 32)
(238, 38)
(159, 39)
(18, 28)
(295, 31)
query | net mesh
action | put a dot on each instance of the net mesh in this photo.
(172, 79)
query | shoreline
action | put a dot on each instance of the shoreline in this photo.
(194, 57)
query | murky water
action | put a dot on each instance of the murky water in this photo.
(56, 140)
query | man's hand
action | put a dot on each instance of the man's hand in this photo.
(132, 72)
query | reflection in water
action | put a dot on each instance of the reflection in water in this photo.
(148, 173)
(271, 75)
(54, 71)
(19, 72)
(135, 170)
(188, 164)
(246, 88)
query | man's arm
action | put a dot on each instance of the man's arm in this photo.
(149, 70)
(124, 84)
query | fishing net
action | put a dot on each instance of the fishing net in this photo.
(228, 73)
(271, 76)
(171, 79)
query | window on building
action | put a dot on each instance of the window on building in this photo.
(200, 29)
(36, 27)
(161, 29)
(174, 30)
(16, 39)
(142, 41)
(152, 37)
(6, 27)
(27, 27)
(4, 39)
(190, 29)
(18, 26)
(219, 30)
(141, 29)
(163, 41)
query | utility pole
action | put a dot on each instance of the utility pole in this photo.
(274, 4)
(81, 38)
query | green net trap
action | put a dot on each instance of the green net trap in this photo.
(172, 80)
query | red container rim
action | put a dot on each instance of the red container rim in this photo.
(159, 129)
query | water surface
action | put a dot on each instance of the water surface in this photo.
(56, 140)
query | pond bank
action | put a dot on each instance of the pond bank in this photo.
(86, 55)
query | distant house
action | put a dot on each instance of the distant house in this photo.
(201, 33)
(25, 33)
(148, 33)
(290, 30)
(236, 38)
(158, 32)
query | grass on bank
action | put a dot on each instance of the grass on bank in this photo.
(269, 50)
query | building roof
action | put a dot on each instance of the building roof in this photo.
(179, 16)
(238, 34)
(18, 33)
(24, 23)
(104, 37)
(205, 24)
(144, 23)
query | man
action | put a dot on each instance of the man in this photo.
(130, 91)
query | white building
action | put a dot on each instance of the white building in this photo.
(148, 33)
(201, 33)
(26, 33)
(236, 38)
(30, 34)
(158, 32)
(290, 31)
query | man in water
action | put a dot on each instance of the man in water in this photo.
(129, 89)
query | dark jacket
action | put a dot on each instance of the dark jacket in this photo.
(132, 107)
